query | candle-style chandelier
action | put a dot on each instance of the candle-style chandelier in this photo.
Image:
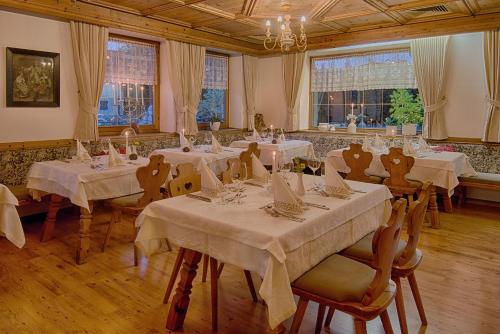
(286, 39)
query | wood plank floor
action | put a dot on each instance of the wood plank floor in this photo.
(43, 291)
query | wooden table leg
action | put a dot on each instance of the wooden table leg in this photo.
(180, 301)
(433, 208)
(447, 204)
(84, 241)
(50, 220)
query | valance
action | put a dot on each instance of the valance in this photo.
(216, 72)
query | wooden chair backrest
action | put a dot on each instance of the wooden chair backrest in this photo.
(186, 181)
(384, 245)
(246, 158)
(398, 166)
(415, 220)
(151, 178)
(358, 161)
(233, 171)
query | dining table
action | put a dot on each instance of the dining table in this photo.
(83, 183)
(216, 161)
(285, 151)
(10, 223)
(243, 233)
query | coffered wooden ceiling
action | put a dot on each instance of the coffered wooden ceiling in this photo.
(240, 24)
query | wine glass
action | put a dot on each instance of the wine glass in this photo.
(104, 142)
(314, 164)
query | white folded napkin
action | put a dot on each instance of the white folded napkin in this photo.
(216, 146)
(260, 172)
(284, 198)
(422, 144)
(81, 153)
(379, 143)
(408, 147)
(367, 146)
(210, 184)
(282, 137)
(183, 141)
(114, 158)
(334, 183)
(256, 135)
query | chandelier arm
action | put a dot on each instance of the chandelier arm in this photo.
(270, 39)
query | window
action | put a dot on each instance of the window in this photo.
(130, 85)
(375, 86)
(215, 94)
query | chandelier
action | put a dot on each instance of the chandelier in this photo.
(286, 39)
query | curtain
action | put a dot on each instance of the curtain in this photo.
(390, 69)
(492, 67)
(216, 71)
(89, 55)
(429, 58)
(250, 80)
(186, 67)
(292, 66)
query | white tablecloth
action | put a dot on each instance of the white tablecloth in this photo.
(278, 249)
(284, 151)
(10, 224)
(216, 161)
(442, 168)
(80, 183)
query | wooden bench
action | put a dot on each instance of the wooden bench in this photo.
(488, 181)
(27, 205)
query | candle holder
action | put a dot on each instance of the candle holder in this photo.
(351, 128)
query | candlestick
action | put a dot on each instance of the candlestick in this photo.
(126, 142)
(142, 95)
(114, 94)
(136, 95)
(183, 132)
(352, 108)
(274, 162)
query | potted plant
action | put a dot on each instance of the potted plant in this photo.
(406, 110)
(215, 122)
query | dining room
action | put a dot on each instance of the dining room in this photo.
(249, 166)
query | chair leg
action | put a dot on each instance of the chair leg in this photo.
(115, 218)
(205, 268)
(219, 271)
(175, 273)
(386, 322)
(251, 287)
(214, 292)
(329, 316)
(418, 299)
(319, 319)
(299, 315)
(400, 306)
(136, 249)
(359, 326)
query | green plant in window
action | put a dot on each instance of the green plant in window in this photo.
(215, 117)
(405, 108)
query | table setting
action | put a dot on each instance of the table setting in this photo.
(10, 224)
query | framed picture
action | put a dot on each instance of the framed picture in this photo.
(32, 78)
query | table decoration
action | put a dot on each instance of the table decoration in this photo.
(284, 199)
(351, 127)
(260, 172)
(115, 159)
(210, 184)
(334, 183)
(216, 146)
(81, 153)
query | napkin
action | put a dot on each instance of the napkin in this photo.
(81, 153)
(379, 143)
(114, 159)
(284, 198)
(282, 137)
(260, 172)
(183, 141)
(334, 183)
(422, 144)
(216, 146)
(367, 147)
(256, 135)
(210, 184)
(408, 147)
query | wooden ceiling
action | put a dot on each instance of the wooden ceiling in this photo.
(240, 24)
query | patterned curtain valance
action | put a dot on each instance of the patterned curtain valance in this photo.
(216, 72)
(130, 62)
(374, 70)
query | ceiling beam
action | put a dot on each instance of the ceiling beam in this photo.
(169, 5)
(248, 7)
(418, 4)
(383, 8)
(322, 9)
(225, 14)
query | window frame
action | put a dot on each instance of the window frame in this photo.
(225, 124)
(155, 127)
(358, 52)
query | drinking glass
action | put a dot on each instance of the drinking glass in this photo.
(314, 164)
(104, 142)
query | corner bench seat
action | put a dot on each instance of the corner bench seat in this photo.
(488, 181)
(27, 205)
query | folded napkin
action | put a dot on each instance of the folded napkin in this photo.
(408, 147)
(7, 197)
(81, 153)
(367, 147)
(379, 143)
(284, 198)
(256, 135)
(334, 183)
(422, 144)
(260, 172)
(282, 137)
(183, 141)
(210, 184)
(216, 146)
(114, 158)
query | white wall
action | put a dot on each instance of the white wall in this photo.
(270, 95)
(24, 124)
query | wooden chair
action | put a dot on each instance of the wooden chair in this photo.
(246, 158)
(398, 166)
(185, 182)
(359, 161)
(233, 171)
(368, 292)
(151, 179)
(407, 258)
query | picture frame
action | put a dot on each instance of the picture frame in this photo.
(32, 78)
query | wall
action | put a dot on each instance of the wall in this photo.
(237, 101)
(24, 124)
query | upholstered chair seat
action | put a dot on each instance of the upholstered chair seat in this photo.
(363, 251)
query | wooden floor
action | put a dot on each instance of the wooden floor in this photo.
(43, 291)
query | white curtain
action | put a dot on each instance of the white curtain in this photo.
(89, 55)
(492, 67)
(389, 69)
(186, 67)
(216, 72)
(429, 58)
(250, 80)
(293, 64)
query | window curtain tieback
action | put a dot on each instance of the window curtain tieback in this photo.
(436, 106)
(494, 103)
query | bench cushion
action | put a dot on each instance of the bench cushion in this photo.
(21, 192)
(486, 178)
